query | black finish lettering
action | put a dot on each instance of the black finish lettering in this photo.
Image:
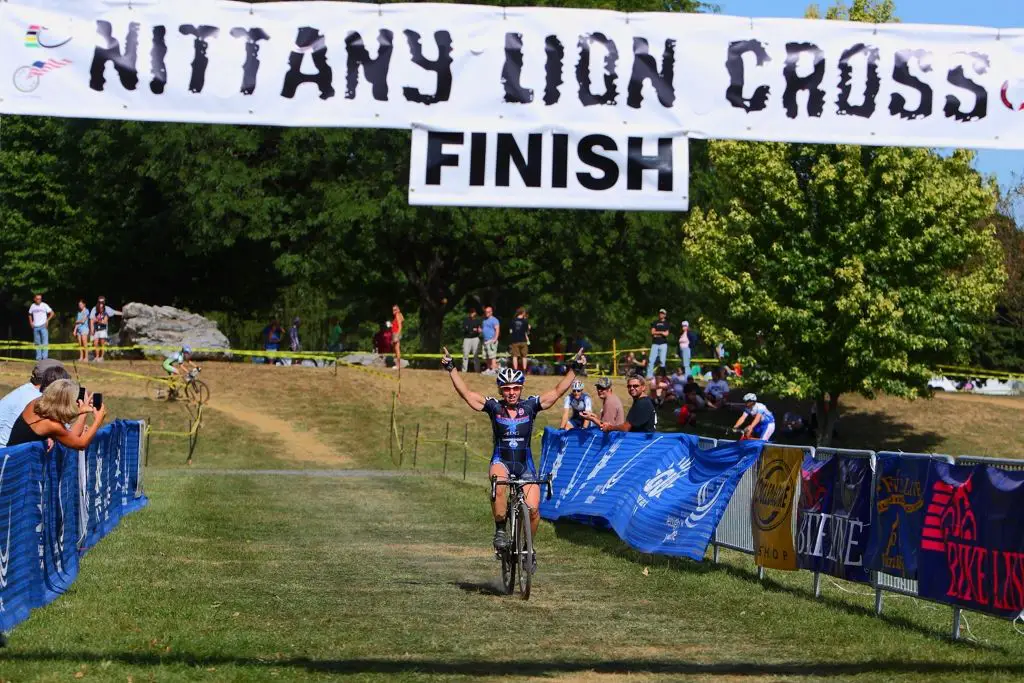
(587, 97)
(442, 66)
(436, 156)
(529, 167)
(638, 163)
(811, 82)
(124, 63)
(553, 69)
(560, 160)
(871, 86)
(645, 68)
(309, 40)
(478, 160)
(375, 70)
(734, 65)
(901, 74)
(587, 154)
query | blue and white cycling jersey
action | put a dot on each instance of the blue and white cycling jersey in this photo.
(766, 418)
(512, 434)
(583, 403)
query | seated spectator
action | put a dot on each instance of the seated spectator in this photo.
(45, 373)
(558, 349)
(45, 418)
(693, 395)
(659, 387)
(717, 389)
(678, 380)
(632, 364)
(794, 425)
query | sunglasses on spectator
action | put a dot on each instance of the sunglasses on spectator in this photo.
(633, 386)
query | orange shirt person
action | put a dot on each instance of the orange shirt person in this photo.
(396, 336)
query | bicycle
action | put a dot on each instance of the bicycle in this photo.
(169, 388)
(518, 557)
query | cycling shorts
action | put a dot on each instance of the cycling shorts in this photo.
(518, 468)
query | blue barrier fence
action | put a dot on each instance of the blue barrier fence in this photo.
(946, 530)
(58, 504)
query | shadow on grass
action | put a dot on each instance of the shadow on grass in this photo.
(490, 668)
(492, 587)
(609, 543)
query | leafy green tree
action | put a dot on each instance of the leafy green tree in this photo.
(841, 269)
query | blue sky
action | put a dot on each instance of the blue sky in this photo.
(995, 13)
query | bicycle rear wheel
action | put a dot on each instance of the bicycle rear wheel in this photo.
(508, 555)
(197, 392)
(524, 551)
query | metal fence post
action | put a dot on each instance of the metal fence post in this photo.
(956, 623)
(817, 584)
(615, 358)
(878, 599)
(465, 453)
(416, 445)
(444, 467)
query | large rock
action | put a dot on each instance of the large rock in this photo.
(168, 326)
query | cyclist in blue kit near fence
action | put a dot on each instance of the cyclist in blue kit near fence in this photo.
(512, 421)
(762, 424)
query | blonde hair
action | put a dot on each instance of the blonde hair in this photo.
(59, 402)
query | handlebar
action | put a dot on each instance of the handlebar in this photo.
(515, 481)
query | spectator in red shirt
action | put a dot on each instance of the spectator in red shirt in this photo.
(382, 343)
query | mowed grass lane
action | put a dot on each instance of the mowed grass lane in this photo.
(261, 577)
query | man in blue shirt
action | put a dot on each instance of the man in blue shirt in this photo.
(492, 331)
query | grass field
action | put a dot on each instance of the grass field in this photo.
(346, 571)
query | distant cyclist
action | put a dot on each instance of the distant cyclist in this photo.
(179, 364)
(762, 423)
(576, 403)
(512, 423)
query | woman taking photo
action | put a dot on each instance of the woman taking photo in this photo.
(82, 331)
(45, 417)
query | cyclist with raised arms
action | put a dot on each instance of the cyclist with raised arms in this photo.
(512, 422)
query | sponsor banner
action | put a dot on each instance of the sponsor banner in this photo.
(899, 515)
(659, 492)
(42, 508)
(972, 543)
(772, 509)
(549, 168)
(393, 65)
(833, 521)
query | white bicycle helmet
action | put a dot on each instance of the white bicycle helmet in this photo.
(577, 385)
(510, 377)
(750, 397)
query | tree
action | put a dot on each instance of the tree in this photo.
(843, 269)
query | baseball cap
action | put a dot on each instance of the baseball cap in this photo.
(41, 368)
(603, 383)
(662, 310)
(685, 324)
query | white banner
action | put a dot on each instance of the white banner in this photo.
(345, 64)
(549, 168)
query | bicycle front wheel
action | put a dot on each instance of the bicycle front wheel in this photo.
(524, 551)
(508, 554)
(197, 392)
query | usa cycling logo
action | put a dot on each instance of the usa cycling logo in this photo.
(38, 36)
(27, 78)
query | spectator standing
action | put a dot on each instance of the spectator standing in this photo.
(491, 328)
(659, 342)
(471, 340)
(45, 373)
(272, 335)
(82, 330)
(293, 336)
(397, 321)
(39, 316)
(519, 340)
(642, 416)
(334, 336)
(687, 342)
(99, 326)
(558, 353)
(612, 411)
